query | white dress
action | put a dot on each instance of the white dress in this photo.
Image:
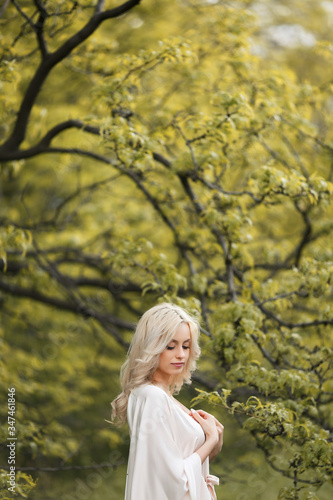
(162, 463)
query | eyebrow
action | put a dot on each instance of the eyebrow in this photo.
(177, 341)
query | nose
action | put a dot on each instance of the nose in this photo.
(180, 353)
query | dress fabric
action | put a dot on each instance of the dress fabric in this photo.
(162, 463)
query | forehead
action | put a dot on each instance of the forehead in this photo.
(182, 333)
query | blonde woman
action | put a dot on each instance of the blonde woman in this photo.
(170, 446)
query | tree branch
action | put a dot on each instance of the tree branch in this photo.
(161, 159)
(39, 27)
(78, 151)
(283, 296)
(306, 236)
(220, 238)
(229, 193)
(24, 15)
(47, 64)
(15, 267)
(63, 468)
(150, 198)
(106, 320)
(289, 324)
(57, 129)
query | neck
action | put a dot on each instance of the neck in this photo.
(161, 382)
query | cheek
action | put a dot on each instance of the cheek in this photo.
(164, 356)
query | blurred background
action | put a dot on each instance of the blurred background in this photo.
(193, 164)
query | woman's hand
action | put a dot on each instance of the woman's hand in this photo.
(216, 450)
(207, 421)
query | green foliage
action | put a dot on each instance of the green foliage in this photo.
(153, 165)
(24, 485)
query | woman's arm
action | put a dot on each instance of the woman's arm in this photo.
(209, 426)
(216, 450)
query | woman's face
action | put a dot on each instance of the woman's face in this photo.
(174, 357)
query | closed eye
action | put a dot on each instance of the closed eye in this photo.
(172, 347)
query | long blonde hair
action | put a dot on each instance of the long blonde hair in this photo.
(153, 333)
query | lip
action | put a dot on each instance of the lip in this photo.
(178, 365)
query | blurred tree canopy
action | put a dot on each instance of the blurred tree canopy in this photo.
(154, 152)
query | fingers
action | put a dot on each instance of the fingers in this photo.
(219, 425)
(201, 416)
(196, 414)
(207, 416)
(202, 420)
(202, 412)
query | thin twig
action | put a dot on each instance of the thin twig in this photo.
(64, 467)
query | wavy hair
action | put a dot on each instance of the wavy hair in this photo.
(153, 333)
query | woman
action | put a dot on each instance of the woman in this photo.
(170, 446)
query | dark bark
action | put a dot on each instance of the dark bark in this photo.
(10, 148)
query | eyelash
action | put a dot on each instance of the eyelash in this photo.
(170, 348)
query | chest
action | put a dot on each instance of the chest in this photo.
(188, 433)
